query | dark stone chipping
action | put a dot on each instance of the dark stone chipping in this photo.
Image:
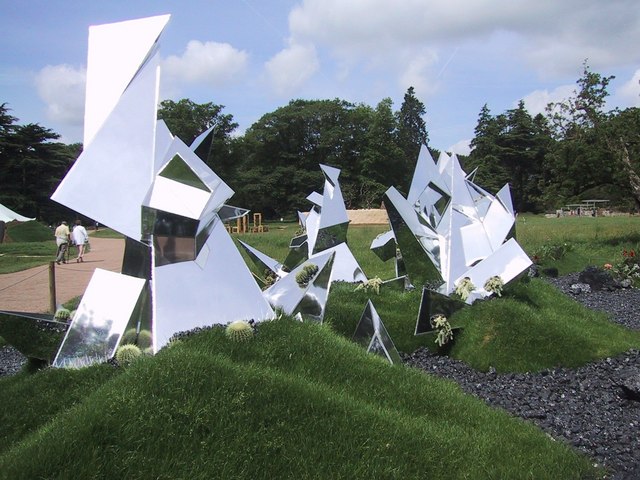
(585, 407)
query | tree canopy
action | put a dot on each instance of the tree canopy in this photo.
(577, 151)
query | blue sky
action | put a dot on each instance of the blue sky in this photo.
(254, 56)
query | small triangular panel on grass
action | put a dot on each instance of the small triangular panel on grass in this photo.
(105, 310)
(434, 303)
(262, 261)
(307, 297)
(372, 335)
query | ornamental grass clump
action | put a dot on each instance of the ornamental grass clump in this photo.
(239, 331)
(444, 332)
(464, 288)
(494, 285)
(304, 276)
(127, 354)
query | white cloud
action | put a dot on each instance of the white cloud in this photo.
(555, 36)
(630, 91)
(290, 68)
(537, 101)
(418, 75)
(62, 87)
(208, 63)
(462, 147)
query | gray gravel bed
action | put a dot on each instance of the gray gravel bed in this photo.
(585, 407)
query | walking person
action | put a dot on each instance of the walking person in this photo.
(80, 238)
(62, 241)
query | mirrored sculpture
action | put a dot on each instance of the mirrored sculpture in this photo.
(372, 335)
(143, 182)
(325, 230)
(449, 229)
(303, 293)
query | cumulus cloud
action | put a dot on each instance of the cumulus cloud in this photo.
(630, 91)
(62, 88)
(209, 63)
(537, 101)
(557, 36)
(417, 73)
(290, 68)
(462, 147)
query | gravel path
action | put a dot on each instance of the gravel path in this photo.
(584, 407)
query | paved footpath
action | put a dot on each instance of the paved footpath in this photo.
(28, 290)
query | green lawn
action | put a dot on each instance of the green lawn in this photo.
(297, 401)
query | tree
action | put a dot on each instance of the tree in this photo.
(412, 132)
(382, 160)
(511, 148)
(485, 152)
(33, 164)
(581, 122)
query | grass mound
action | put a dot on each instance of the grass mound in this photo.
(297, 401)
(28, 232)
(536, 327)
(532, 327)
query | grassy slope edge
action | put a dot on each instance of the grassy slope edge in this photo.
(298, 401)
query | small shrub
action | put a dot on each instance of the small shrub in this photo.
(494, 285)
(444, 333)
(464, 288)
(239, 331)
(62, 315)
(552, 251)
(371, 284)
(627, 269)
(127, 354)
(304, 276)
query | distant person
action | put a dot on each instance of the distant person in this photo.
(62, 240)
(80, 238)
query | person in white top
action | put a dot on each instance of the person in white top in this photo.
(80, 237)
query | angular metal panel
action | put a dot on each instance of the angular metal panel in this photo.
(298, 252)
(372, 334)
(262, 261)
(115, 170)
(115, 54)
(384, 246)
(434, 303)
(420, 247)
(201, 293)
(345, 265)
(315, 198)
(105, 310)
(507, 262)
(330, 236)
(201, 146)
(34, 335)
(307, 300)
(333, 209)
